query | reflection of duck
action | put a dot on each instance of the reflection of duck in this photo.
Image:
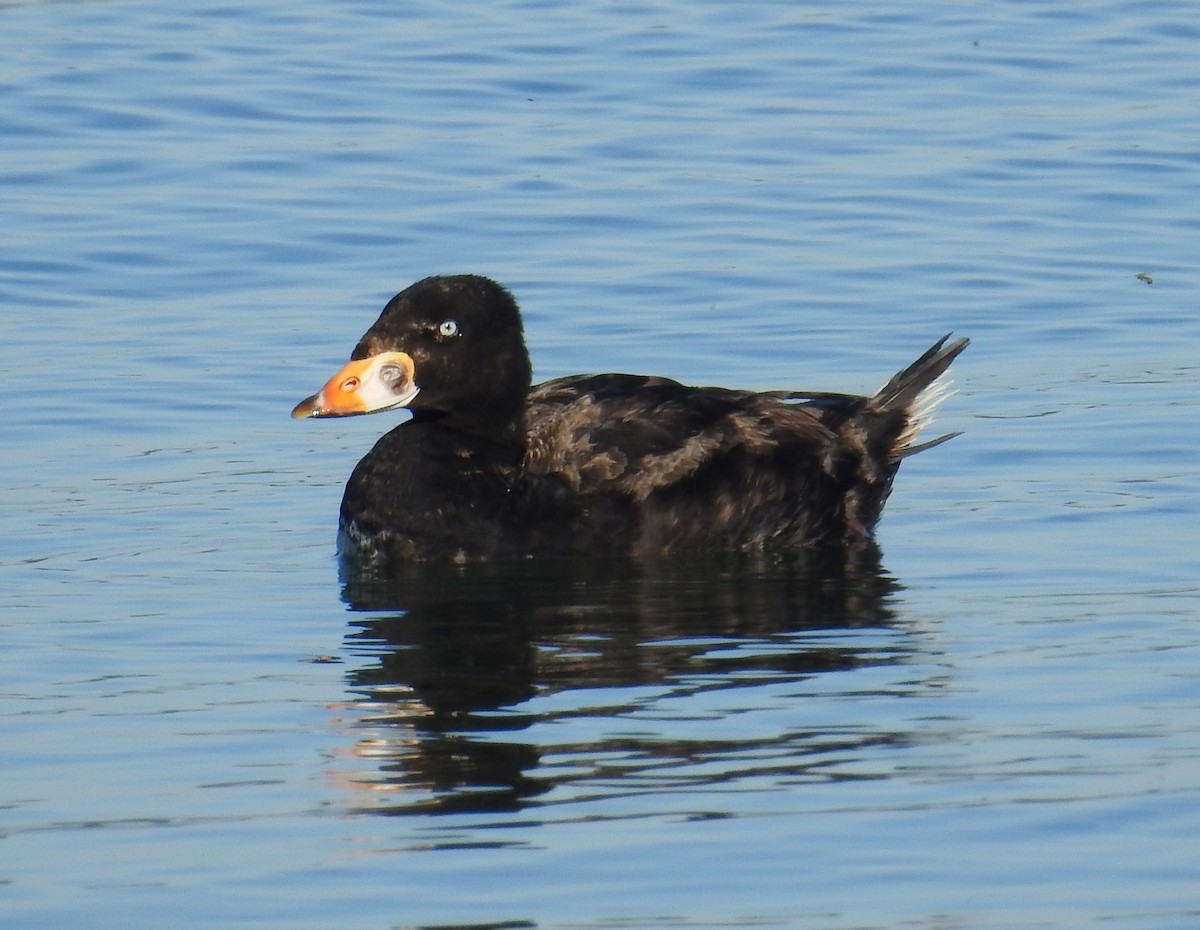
(486, 687)
(490, 467)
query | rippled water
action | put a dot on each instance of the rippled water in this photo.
(204, 725)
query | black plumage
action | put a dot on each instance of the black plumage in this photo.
(490, 467)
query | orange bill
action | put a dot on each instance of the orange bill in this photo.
(366, 385)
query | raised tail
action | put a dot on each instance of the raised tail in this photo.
(915, 393)
(876, 433)
(882, 430)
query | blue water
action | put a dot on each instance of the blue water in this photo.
(205, 205)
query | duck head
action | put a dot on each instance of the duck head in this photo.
(448, 347)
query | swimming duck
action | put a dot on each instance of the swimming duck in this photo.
(491, 467)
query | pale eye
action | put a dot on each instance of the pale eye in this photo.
(447, 328)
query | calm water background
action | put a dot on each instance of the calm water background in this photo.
(204, 206)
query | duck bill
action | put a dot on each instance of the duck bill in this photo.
(365, 385)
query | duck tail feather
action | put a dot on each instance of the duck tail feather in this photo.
(917, 392)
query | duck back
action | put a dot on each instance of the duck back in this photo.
(712, 468)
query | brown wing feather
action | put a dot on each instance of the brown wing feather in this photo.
(636, 435)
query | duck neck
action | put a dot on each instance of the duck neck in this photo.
(505, 434)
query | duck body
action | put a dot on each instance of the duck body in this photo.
(491, 467)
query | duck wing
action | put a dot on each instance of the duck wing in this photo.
(635, 435)
(713, 467)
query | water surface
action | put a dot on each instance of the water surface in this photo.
(995, 725)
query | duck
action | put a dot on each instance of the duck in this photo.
(490, 466)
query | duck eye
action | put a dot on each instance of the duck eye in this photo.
(447, 328)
